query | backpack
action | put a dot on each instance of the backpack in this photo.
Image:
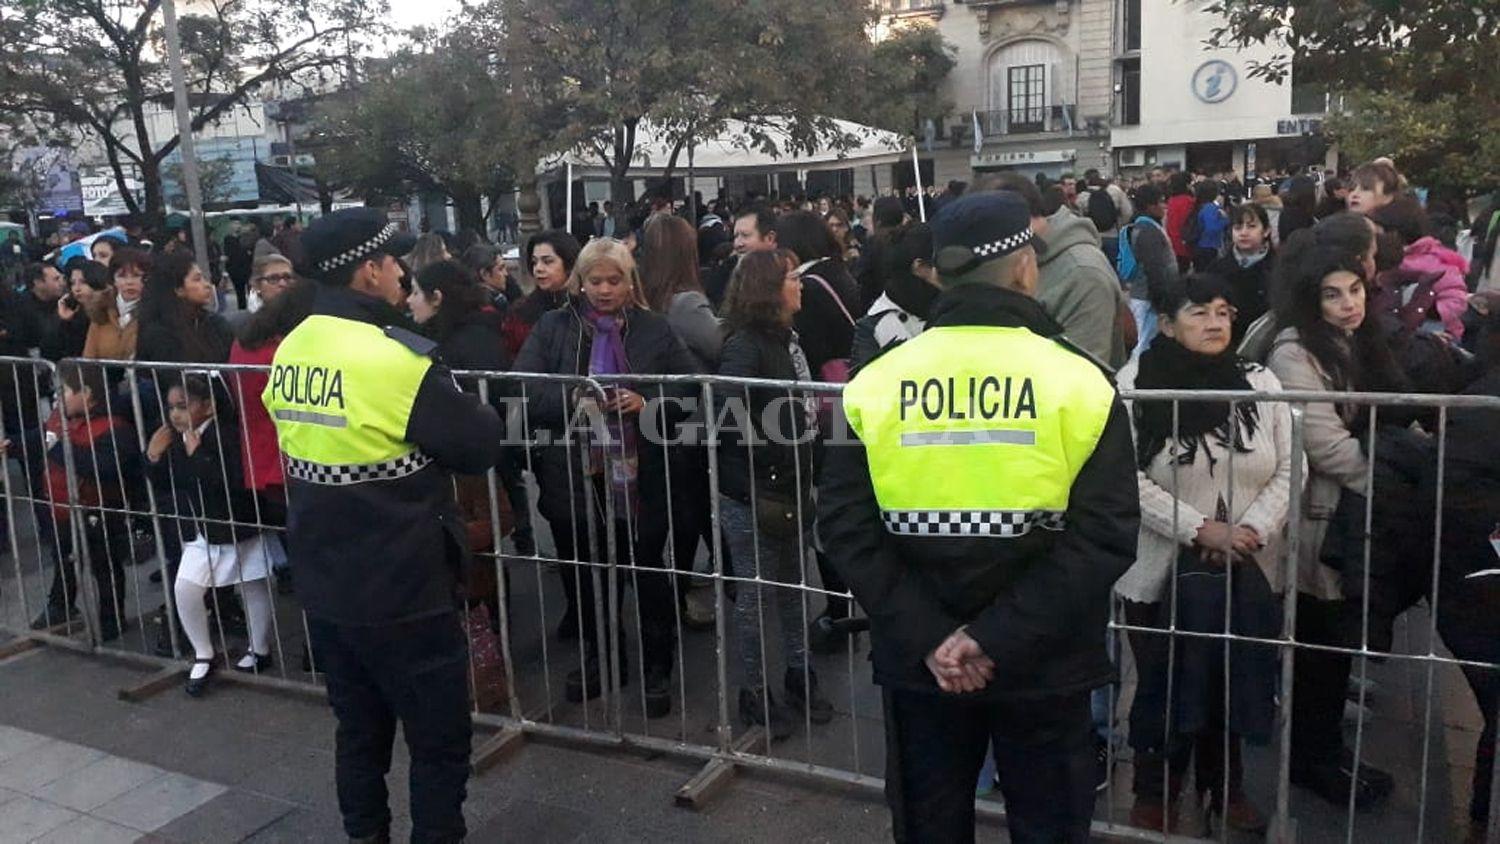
(1192, 227)
(1126, 265)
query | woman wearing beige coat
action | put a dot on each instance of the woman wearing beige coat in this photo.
(1327, 345)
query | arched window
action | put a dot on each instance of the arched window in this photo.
(1024, 78)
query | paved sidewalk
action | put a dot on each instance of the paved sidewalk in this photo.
(78, 765)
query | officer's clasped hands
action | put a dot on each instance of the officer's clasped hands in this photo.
(959, 664)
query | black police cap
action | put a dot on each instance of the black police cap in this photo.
(979, 227)
(346, 237)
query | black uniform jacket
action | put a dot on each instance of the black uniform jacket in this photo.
(1038, 604)
(388, 551)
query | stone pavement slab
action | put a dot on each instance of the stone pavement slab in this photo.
(95, 784)
(26, 818)
(89, 830)
(155, 804)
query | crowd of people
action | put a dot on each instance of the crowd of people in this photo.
(1173, 281)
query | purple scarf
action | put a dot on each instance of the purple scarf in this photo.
(617, 448)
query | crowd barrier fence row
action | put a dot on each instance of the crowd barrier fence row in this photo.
(635, 581)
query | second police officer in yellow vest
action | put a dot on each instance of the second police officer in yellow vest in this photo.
(371, 428)
(981, 517)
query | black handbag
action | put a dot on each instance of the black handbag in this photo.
(780, 513)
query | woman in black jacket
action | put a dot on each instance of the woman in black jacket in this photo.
(765, 505)
(604, 329)
(453, 308)
(825, 329)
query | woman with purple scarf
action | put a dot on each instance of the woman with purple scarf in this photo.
(592, 444)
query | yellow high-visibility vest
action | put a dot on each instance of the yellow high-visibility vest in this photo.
(975, 430)
(341, 393)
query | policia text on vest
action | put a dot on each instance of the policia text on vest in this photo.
(975, 398)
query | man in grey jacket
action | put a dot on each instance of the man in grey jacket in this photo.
(1077, 287)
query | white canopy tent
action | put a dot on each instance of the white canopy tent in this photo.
(729, 153)
(732, 152)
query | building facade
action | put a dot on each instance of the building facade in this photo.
(1180, 103)
(1031, 90)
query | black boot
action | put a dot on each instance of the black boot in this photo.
(575, 689)
(811, 700)
(658, 691)
(753, 712)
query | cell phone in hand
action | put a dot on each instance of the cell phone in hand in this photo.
(70, 301)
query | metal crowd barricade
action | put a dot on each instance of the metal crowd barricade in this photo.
(619, 552)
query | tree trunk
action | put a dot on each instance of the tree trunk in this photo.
(469, 207)
(156, 206)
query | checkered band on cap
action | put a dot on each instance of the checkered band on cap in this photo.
(363, 250)
(326, 475)
(1005, 524)
(1003, 246)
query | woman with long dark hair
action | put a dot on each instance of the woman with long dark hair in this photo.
(177, 323)
(1326, 344)
(669, 273)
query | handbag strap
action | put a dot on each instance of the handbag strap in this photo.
(827, 287)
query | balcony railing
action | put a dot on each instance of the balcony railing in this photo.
(1030, 121)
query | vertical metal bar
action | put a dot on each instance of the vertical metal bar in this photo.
(1281, 828)
(525, 442)
(502, 594)
(10, 513)
(1229, 564)
(1171, 797)
(721, 655)
(82, 569)
(1432, 628)
(169, 600)
(1364, 623)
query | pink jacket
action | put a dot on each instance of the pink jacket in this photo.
(1429, 256)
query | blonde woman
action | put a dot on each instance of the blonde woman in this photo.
(604, 328)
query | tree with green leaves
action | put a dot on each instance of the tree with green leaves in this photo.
(434, 119)
(99, 68)
(907, 70)
(785, 68)
(1417, 80)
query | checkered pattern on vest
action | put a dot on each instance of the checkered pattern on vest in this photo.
(1005, 524)
(325, 475)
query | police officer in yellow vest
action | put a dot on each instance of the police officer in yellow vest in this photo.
(371, 428)
(981, 515)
